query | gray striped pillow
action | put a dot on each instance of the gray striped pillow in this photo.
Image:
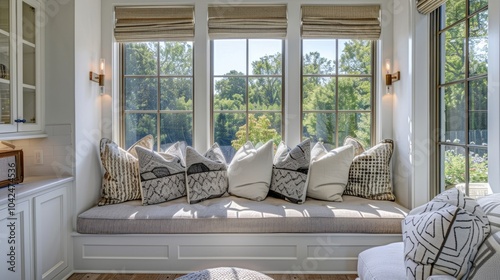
(121, 180)
(370, 173)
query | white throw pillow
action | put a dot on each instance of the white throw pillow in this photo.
(250, 171)
(329, 172)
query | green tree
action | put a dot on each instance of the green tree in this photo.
(259, 130)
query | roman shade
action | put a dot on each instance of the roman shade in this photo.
(151, 23)
(341, 22)
(230, 21)
(428, 6)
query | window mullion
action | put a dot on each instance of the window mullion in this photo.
(336, 96)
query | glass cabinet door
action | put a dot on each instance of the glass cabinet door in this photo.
(7, 55)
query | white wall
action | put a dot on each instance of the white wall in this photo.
(87, 40)
(494, 95)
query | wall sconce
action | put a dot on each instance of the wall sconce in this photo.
(98, 78)
(390, 78)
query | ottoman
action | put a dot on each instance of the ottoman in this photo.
(225, 273)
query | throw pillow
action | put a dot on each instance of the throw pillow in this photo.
(442, 237)
(206, 175)
(162, 174)
(491, 207)
(249, 173)
(487, 261)
(328, 172)
(290, 167)
(358, 147)
(121, 180)
(370, 173)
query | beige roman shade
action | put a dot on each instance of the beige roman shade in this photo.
(428, 6)
(150, 23)
(231, 21)
(341, 22)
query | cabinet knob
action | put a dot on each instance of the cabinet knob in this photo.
(20, 121)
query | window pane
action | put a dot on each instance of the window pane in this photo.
(5, 104)
(452, 114)
(5, 15)
(318, 57)
(226, 126)
(265, 127)
(478, 173)
(141, 93)
(453, 54)
(318, 93)
(455, 11)
(357, 125)
(176, 58)
(319, 127)
(264, 57)
(138, 126)
(229, 57)
(475, 5)
(29, 65)
(478, 44)
(354, 93)
(230, 93)
(355, 57)
(176, 93)
(176, 127)
(478, 112)
(29, 23)
(29, 105)
(454, 166)
(141, 58)
(264, 93)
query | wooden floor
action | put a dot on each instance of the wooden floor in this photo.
(96, 276)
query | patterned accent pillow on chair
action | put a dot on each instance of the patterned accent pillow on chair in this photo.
(206, 175)
(121, 180)
(163, 175)
(290, 168)
(370, 173)
(443, 236)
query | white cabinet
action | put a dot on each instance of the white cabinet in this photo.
(15, 241)
(52, 233)
(41, 228)
(21, 89)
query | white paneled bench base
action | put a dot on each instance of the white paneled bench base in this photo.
(183, 253)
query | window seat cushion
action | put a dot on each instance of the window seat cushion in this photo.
(232, 214)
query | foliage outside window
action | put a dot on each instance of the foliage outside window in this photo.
(462, 95)
(157, 97)
(247, 91)
(337, 90)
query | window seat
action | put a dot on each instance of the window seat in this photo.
(231, 214)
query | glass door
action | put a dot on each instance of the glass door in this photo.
(7, 55)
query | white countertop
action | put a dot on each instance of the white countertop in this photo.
(32, 185)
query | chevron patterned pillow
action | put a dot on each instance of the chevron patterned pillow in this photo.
(121, 180)
(370, 173)
(206, 175)
(290, 168)
(443, 236)
(162, 174)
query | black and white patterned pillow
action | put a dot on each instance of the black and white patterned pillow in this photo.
(487, 261)
(162, 174)
(121, 181)
(290, 168)
(443, 236)
(206, 175)
(370, 173)
(491, 207)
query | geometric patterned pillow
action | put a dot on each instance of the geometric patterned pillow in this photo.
(290, 168)
(491, 207)
(487, 262)
(163, 175)
(206, 175)
(441, 238)
(121, 180)
(370, 173)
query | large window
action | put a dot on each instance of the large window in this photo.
(247, 91)
(337, 90)
(157, 85)
(462, 95)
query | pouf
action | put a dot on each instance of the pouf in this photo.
(225, 273)
(382, 263)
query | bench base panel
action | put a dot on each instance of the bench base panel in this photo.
(183, 253)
